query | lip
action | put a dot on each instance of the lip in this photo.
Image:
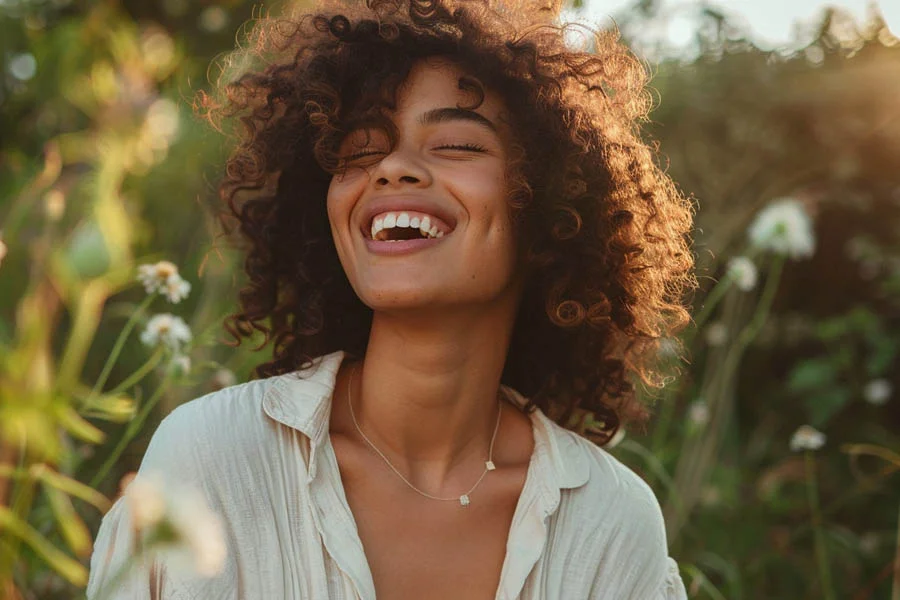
(400, 247)
(398, 203)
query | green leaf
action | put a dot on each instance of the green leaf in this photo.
(72, 528)
(78, 427)
(68, 567)
(812, 374)
(824, 404)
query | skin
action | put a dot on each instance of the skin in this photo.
(426, 391)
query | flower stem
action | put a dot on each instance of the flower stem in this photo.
(819, 533)
(138, 375)
(117, 349)
(130, 431)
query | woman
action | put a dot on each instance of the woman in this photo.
(460, 250)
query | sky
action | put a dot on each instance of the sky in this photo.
(771, 21)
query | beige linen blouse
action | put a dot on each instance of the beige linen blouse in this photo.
(585, 526)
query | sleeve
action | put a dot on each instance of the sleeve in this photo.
(173, 455)
(673, 587)
(634, 563)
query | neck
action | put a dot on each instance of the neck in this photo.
(426, 392)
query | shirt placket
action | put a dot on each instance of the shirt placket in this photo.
(530, 526)
(335, 522)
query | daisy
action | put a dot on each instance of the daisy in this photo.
(178, 524)
(163, 277)
(742, 270)
(783, 227)
(168, 330)
(877, 392)
(807, 438)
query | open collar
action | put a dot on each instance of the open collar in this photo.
(301, 400)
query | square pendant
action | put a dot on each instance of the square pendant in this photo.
(464, 500)
(490, 465)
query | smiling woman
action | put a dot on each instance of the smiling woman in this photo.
(464, 257)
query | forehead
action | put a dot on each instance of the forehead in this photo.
(439, 83)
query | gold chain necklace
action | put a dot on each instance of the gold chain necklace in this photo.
(464, 498)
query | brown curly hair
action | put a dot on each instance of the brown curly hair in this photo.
(603, 231)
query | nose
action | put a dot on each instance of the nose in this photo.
(401, 168)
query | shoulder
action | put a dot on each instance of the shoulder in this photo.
(208, 429)
(235, 404)
(614, 518)
(601, 480)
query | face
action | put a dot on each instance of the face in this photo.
(425, 224)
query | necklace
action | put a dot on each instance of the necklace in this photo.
(464, 498)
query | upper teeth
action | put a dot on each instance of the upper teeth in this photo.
(391, 220)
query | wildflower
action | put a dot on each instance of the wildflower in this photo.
(176, 289)
(742, 270)
(181, 363)
(145, 500)
(223, 378)
(177, 524)
(878, 391)
(163, 277)
(785, 228)
(716, 334)
(166, 329)
(199, 530)
(807, 438)
(698, 413)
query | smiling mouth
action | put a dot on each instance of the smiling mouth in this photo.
(406, 225)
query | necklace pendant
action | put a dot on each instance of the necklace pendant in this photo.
(490, 465)
(464, 500)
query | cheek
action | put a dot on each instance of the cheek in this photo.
(343, 191)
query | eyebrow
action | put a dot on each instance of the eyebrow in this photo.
(442, 115)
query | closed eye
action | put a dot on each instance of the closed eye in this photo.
(362, 154)
(465, 147)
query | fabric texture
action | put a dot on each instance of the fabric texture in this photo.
(585, 526)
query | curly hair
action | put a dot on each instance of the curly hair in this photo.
(603, 230)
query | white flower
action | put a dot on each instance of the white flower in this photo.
(163, 277)
(223, 378)
(145, 499)
(785, 228)
(878, 391)
(698, 413)
(807, 438)
(200, 532)
(716, 334)
(166, 329)
(176, 289)
(181, 363)
(177, 524)
(742, 270)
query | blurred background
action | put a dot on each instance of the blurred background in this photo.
(775, 448)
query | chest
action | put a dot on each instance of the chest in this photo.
(417, 547)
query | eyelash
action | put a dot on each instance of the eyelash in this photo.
(467, 147)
